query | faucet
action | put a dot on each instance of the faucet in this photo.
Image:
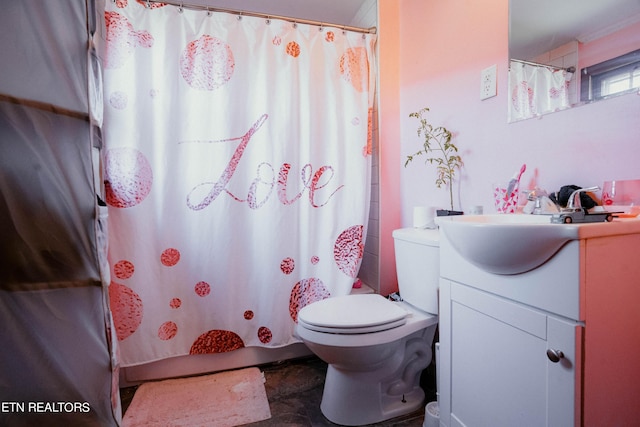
(574, 202)
(539, 203)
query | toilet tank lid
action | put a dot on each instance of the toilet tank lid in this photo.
(423, 236)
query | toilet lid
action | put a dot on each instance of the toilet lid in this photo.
(352, 314)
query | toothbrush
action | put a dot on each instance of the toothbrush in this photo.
(514, 181)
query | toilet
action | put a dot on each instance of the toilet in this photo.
(376, 348)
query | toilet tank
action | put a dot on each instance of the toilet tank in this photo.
(418, 266)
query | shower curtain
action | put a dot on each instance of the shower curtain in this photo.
(536, 90)
(236, 171)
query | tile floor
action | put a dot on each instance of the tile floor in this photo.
(294, 389)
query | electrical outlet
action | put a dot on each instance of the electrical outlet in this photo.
(488, 82)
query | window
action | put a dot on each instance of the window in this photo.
(616, 76)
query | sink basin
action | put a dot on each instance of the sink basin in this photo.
(506, 244)
(517, 243)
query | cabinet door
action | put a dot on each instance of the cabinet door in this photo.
(562, 381)
(499, 371)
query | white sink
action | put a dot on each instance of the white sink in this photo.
(516, 243)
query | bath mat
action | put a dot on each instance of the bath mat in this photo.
(224, 399)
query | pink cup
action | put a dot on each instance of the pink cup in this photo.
(625, 193)
(505, 203)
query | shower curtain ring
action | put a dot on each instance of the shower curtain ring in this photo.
(295, 24)
(268, 21)
(180, 9)
(208, 12)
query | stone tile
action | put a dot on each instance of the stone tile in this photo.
(294, 389)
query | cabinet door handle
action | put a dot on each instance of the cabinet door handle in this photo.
(555, 355)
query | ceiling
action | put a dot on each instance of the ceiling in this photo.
(338, 12)
(535, 26)
(542, 25)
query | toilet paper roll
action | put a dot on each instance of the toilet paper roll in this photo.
(431, 415)
(476, 210)
(423, 217)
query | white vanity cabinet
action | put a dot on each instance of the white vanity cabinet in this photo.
(555, 346)
(500, 374)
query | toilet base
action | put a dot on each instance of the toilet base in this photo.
(362, 403)
(354, 398)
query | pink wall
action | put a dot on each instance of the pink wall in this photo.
(618, 43)
(439, 49)
(389, 131)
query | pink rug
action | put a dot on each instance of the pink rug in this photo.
(224, 399)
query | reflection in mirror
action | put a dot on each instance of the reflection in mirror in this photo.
(555, 48)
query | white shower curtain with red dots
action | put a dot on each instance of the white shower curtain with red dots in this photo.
(237, 173)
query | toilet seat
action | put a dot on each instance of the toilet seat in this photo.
(352, 314)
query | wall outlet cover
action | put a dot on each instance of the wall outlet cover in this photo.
(488, 82)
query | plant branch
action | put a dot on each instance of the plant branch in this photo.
(439, 149)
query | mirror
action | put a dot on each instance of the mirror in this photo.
(551, 43)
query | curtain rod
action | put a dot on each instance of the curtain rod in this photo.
(553, 67)
(240, 13)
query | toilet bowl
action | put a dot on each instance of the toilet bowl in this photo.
(375, 348)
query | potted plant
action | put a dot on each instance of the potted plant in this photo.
(439, 150)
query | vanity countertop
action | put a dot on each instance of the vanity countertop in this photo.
(603, 229)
